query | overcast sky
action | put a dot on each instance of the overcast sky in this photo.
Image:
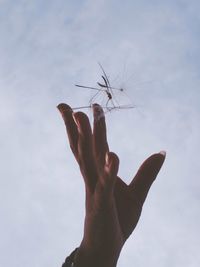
(149, 47)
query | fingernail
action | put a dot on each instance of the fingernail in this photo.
(95, 105)
(63, 107)
(163, 152)
(98, 111)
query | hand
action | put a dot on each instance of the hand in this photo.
(113, 208)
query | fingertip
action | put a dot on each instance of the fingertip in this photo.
(155, 161)
(157, 157)
(62, 107)
(98, 112)
(79, 116)
(161, 156)
(149, 169)
(114, 158)
(163, 153)
(112, 161)
(95, 105)
(82, 123)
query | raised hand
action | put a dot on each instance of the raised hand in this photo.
(113, 208)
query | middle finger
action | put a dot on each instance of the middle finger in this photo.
(100, 143)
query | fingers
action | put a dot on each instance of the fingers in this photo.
(99, 135)
(85, 150)
(80, 140)
(71, 127)
(145, 176)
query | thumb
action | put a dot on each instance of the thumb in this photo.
(146, 175)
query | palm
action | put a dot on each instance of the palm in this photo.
(128, 208)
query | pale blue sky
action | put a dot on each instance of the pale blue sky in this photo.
(48, 46)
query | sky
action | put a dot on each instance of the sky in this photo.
(151, 48)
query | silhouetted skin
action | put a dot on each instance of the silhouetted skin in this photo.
(113, 208)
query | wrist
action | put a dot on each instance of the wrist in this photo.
(86, 257)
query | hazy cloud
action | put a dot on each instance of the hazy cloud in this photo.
(46, 47)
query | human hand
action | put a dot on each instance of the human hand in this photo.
(113, 208)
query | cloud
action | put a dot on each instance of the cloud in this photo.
(46, 47)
